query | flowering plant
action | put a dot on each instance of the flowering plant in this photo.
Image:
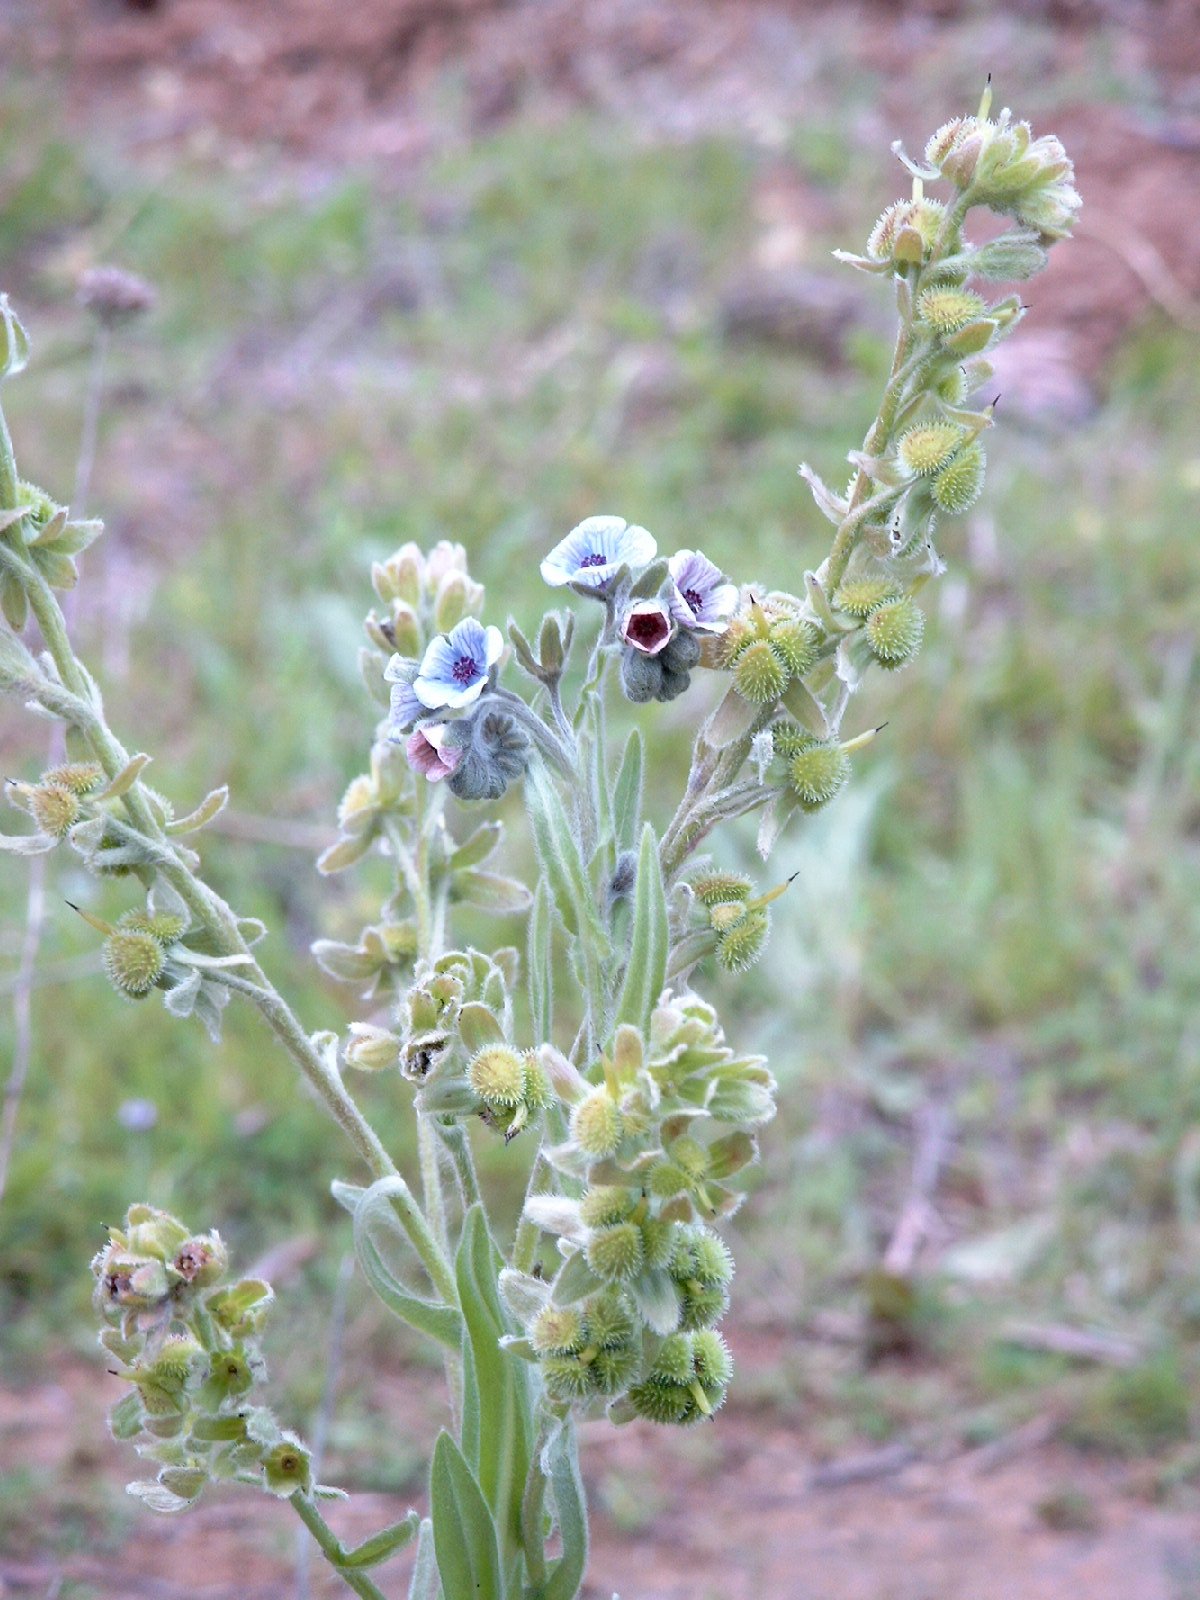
(601, 1058)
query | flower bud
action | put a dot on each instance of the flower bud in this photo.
(641, 675)
(113, 295)
(14, 341)
(55, 809)
(1011, 258)
(616, 1252)
(682, 652)
(816, 772)
(926, 448)
(445, 557)
(596, 1124)
(401, 577)
(957, 487)
(131, 1283)
(497, 1075)
(134, 962)
(895, 631)
(760, 673)
(371, 1049)
(647, 627)
(946, 310)
(454, 596)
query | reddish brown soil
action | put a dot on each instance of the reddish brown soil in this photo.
(736, 1511)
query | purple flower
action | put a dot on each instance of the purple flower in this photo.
(430, 754)
(596, 551)
(647, 627)
(703, 598)
(406, 708)
(456, 665)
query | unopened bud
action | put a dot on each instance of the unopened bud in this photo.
(371, 1049)
(14, 341)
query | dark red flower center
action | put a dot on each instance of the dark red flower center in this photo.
(647, 628)
(465, 670)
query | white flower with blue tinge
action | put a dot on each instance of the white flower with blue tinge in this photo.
(702, 598)
(595, 551)
(457, 665)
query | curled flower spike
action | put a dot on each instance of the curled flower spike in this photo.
(430, 753)
(647, 627)
(456, 667)
(702, 598)
(595, 551)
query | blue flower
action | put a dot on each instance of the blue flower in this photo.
(457, 665)
(702, 597)
(596, 551)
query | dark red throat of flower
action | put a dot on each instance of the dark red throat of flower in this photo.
(647, 629)
(465, 670)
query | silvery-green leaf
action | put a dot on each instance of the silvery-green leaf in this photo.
(491, 891)
(523, 1294)
(657, 1299)
(344, 852)
(27, 844)
(212, 805)
(555, 1213)
(126, 778)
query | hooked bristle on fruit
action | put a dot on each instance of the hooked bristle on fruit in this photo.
(80, 777)
(798, 642)
(54, 808)
(617, 1252)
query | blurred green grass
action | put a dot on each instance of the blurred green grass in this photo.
(1001, 916)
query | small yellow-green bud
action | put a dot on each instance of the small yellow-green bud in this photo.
(739, 947)
(817, 773)
(497, 1075)
(557, 1331)
(596, 1124)
(603, 1205)
(895, 631)
(797, 641)
(719, 888)
(288, 1468)
(616, 1253)
(133, 962)
(54, 808)
(80, 777)
(927, 448)
(371, 1049)
(957, 487)
(760, 673)
(946, 310)
(860, 596)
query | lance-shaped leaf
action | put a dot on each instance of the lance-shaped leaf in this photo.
(541, 963)
(627, 794)
(464, 1535)
(491, 891)
(732, 720)
(558, 848)
(424, 1583)
(382, 1546)
(376, 1222)
(126, 778)
(560, 1462)
(211, 806)
(646, 969)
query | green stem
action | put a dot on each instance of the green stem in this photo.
(333, 1550)
(454, 1136)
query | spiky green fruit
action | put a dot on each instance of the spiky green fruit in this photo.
(658, 1240)
(946, 310)
(712, 1360)
(860, 596)
(538, 1093)
(616, 1253)
(668, 1403)
(666, 1179)
(596, 1124)
(54, 808)
(895, 631)
(674, 1363)
(699, 1306)
(719, 888)
(159, 925)
(797, 641)
(723, 917)
(497, 1075)
(711, 1261)
(134, 963)
(80, 777)
(739, 947)
(957, 487)
(816, 773)
(609, 1320)
(613, 1370)
(605, 1204)
(760, 673)
(566, 1378)
(929, 446)
(557, 1331)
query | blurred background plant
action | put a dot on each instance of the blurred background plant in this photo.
(409, 313)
